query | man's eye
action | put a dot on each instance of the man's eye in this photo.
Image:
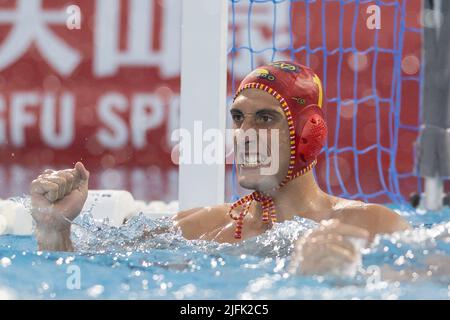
(265, 118)
(237, 117)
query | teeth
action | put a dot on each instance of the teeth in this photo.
(250, 165)
(262, 159)
(253, 160)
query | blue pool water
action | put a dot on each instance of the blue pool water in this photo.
(122, 263)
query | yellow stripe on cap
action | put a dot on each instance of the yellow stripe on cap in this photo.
(316, 79)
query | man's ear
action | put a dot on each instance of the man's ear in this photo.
(311, 133)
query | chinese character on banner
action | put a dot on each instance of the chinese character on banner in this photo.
(141, 37)
(30, 25)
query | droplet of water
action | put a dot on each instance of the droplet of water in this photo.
(95, 291)
(5, 262)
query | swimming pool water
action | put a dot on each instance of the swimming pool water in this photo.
(127, 263)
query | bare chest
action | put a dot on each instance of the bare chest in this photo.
(225, 233)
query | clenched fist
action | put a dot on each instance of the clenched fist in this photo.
(333, 248)
(57, 197)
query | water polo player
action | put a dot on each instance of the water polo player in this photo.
(285, 97)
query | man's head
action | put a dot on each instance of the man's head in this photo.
(285, 99)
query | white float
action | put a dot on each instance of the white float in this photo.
(114, 206)
(110, 206)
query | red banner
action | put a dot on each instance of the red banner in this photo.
(106, 93)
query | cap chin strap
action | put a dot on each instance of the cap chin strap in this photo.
(267, 205)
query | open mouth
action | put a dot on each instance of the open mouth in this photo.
(253, 160)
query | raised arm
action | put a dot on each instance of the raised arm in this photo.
(57, 198)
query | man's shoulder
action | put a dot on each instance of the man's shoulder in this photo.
(199, 212)
(197, 221)
(373, 217)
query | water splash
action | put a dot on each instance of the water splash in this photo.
(142, 233)
(149, 258)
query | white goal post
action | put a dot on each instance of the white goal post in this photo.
(204, 28)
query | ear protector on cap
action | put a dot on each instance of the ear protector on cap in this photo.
(311, 133)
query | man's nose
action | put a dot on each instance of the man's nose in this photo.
(246, 138)
(247, 123)
(245, 143)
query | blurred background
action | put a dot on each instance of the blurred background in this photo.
(107, 94)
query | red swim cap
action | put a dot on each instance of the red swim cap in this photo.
(299, 92)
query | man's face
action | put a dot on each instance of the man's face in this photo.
(257, 122)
